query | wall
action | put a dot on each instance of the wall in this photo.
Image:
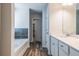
(47, 35)
(6, 29)
(0, 28)
(22, 13)
(44, 26)
(21, 17)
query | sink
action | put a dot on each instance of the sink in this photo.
(66, 36)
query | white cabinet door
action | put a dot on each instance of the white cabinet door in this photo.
(62, 53)
(63, 49)
(54, 46)
(73, 52)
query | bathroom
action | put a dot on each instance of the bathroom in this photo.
(60, 29)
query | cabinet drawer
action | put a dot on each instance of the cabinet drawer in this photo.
(64, 47)
(54, 41)
(73, 52)
(62, 53)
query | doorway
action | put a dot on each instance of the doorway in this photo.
(35, 28)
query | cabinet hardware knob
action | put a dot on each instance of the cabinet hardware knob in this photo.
(61, 45)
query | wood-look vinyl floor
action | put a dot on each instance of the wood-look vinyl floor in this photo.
(35, 50)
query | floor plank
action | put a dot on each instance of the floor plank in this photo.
(35, 50)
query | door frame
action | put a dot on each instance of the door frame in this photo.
(31, 27)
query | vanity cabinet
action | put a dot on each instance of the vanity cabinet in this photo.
(60, 48)
(54, 46)
(63, 49)
(73, 52)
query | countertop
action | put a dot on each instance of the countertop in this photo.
(72, 41)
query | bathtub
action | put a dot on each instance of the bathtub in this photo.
(20, 46)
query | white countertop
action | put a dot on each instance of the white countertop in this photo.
(69, 40)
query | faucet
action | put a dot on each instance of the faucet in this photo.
(68, 34)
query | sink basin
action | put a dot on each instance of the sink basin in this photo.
(63, 36)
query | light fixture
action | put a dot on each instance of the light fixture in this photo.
(67, 4)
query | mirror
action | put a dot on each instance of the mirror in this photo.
(68, 20)
(62, 19)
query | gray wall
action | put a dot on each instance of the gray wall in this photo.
(0, 28)
(77, 21)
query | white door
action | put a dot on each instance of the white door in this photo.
(62, 53)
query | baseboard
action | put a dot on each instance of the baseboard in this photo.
(36, 42)
(49, 55)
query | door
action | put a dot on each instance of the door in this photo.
(74, 52)
(62, 53)
(63, 49)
